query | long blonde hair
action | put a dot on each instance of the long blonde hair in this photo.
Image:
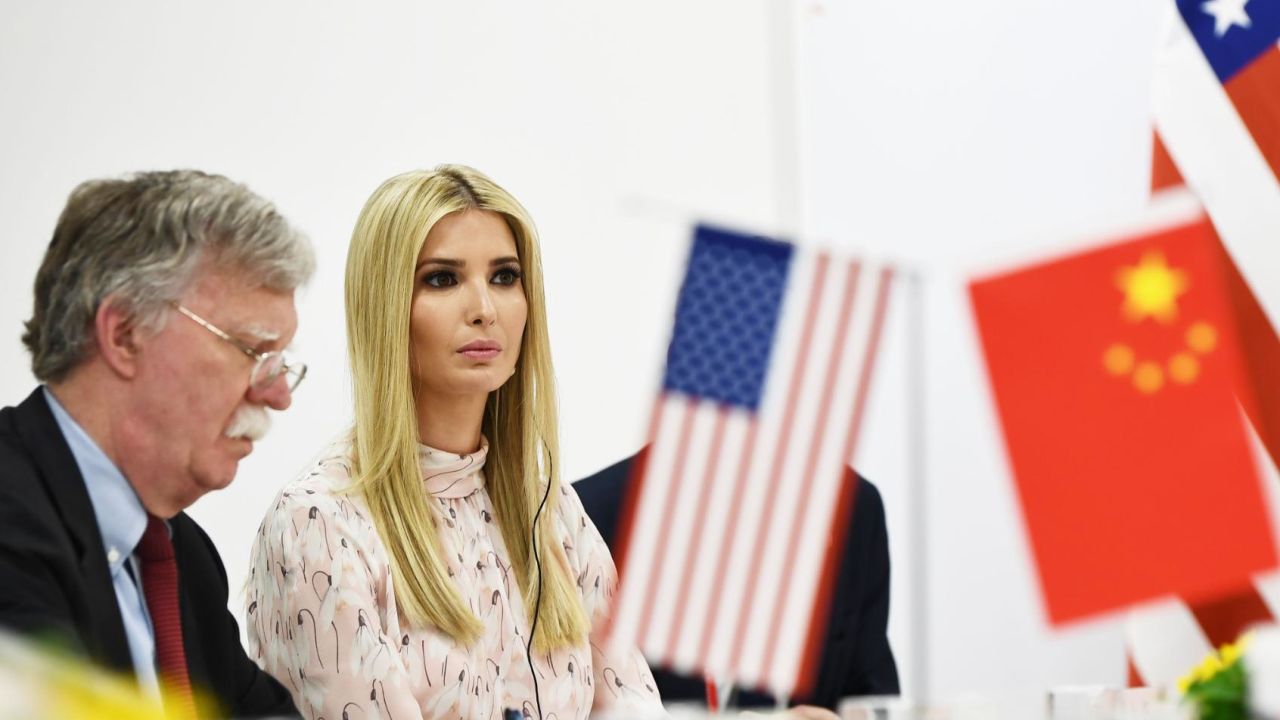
(519, 418)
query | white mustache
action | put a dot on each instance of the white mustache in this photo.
(249, 421)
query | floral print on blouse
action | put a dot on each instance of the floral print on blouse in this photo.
(322, 617)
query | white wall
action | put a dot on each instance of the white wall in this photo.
(934, 133)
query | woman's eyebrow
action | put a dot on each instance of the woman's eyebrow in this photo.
(448, 262)
(451, 262)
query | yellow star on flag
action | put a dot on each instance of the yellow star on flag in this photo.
(1151, 289)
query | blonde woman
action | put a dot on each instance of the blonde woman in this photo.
(398, 577)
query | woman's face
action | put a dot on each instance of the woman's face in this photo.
(469, 309)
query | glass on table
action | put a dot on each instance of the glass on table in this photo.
(1096, 702)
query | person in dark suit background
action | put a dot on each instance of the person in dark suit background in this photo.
(856, 657)
(162, 307)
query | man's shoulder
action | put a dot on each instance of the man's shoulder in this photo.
(192, 543)
(23, 486)
(867, 499)
(29, 428)
(197, 556)
(602, 493)
(13, 441)
(185, 527)
(17, 465)
(607, 483)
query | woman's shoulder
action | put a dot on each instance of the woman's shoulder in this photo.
(569, 510)
(589, 558)
(323, 485)
(580, 535)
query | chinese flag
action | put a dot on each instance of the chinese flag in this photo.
(1113, 372)
(1160, 645)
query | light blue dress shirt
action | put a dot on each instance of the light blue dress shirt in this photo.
(122, 520)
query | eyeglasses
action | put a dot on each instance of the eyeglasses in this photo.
(268, 367)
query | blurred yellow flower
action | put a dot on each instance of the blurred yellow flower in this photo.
(1214, 663)
(1231, 652)
(39, 684)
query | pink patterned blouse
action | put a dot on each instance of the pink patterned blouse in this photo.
(322, 612)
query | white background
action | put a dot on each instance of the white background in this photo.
(949, 137)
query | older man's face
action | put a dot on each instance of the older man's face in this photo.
(197, 414)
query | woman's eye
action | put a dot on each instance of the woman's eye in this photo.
(440, 279)
(506, 276)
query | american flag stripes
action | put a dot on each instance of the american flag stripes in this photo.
(1239, 39)
(1165, 638)
(1218, 111)
(1216, 106)
(727, 531)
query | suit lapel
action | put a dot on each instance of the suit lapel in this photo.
(43, 438)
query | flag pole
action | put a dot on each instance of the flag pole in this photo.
(917, 493)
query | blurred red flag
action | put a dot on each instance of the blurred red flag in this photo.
(1114, 374)
(1166, 639)
(1259, 390)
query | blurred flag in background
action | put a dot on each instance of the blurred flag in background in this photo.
(1166, 637)
(1114, 372)
(1217, 105)
(1216, 97)
(727, 554)
(1239, 39)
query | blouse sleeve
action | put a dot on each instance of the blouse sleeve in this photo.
(623, 683)
(313, 615)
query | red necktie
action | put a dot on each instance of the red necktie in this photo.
(160, 586)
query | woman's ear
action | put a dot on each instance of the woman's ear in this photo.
(116, 336)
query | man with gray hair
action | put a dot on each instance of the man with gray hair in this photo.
(162, 309)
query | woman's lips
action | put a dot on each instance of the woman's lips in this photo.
(481, 349)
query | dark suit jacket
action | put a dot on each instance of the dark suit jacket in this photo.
(856, 658)
(54, 581)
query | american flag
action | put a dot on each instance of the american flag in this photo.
(1216, 98)
(1167, 637)
(1217, 107)
(727, 560)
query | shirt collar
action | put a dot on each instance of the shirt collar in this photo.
(120, 515)
(449, 475)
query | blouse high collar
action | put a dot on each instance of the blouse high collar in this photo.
(450, 475)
